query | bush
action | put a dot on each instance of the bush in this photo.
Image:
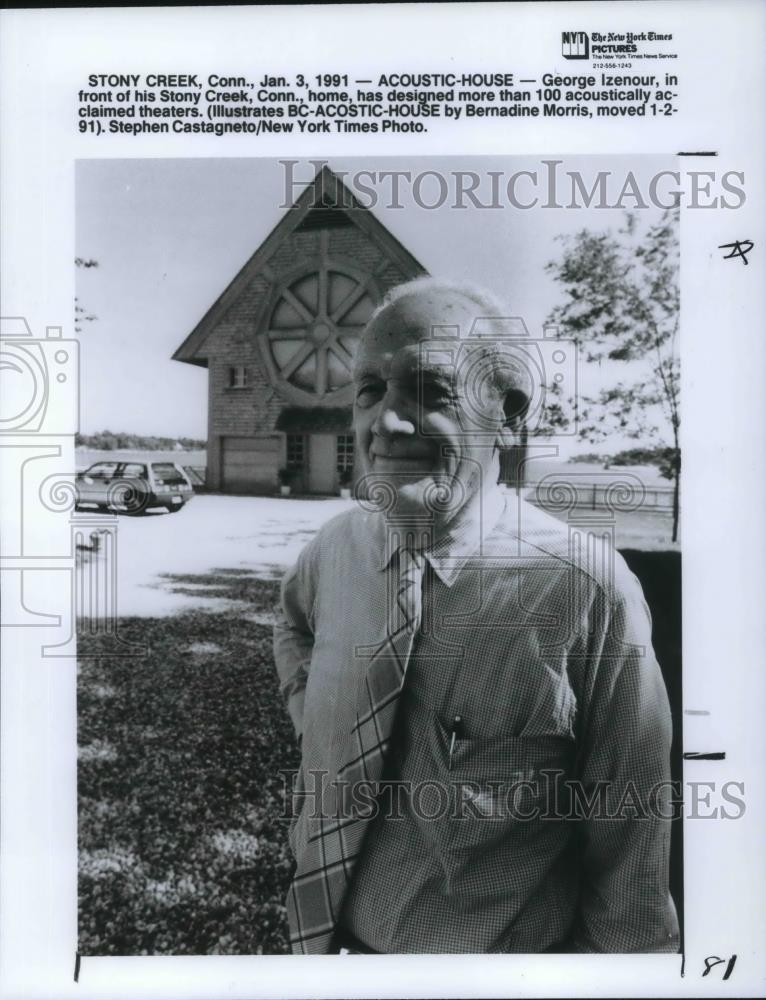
(665, 459)
(589, 458)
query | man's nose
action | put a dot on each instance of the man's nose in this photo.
(393, 417)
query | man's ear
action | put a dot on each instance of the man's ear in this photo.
(515, 406)
(512, 430)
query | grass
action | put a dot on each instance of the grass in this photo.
(182, 848)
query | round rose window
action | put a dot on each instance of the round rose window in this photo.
(312, 328)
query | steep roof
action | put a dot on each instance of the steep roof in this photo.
(326, 202)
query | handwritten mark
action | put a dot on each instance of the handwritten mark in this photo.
(77, 967)
(696, 711)
(712, 960)
(737, 249)
(696, 755)
(701, 152)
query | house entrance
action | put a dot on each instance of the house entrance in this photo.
(322, 473)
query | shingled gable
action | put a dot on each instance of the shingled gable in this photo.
(326, 202)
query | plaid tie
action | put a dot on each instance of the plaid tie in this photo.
(323, 874)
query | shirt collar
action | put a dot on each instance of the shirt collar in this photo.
(462, 539)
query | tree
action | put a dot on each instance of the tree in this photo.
(622, 305)
(81, 315)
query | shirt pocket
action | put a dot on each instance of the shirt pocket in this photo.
(496, 789)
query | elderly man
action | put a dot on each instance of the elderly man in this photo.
(483, 724)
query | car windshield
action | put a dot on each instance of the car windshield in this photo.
(168, 473)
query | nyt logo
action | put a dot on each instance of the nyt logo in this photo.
(575, 45)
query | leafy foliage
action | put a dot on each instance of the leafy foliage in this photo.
(183, 848)
(664, 458)
(622, 305)
(81, 314)
(589, 458)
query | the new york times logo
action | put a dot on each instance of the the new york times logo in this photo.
(575, 45)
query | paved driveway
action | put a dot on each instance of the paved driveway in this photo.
(219, 537)
(211, 536)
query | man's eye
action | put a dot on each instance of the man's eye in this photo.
(368, 394)
(435, 394)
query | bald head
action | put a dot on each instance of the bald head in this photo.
(416, 316)
(435, 313)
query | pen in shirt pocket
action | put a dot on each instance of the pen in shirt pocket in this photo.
(456, 733)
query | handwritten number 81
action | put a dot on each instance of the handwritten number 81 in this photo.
(713, 960)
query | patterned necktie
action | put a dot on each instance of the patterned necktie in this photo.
(323, 874)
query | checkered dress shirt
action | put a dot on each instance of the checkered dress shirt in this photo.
(541, 644)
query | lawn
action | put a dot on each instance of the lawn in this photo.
(182, 848)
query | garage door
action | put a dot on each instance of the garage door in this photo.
(250, 464)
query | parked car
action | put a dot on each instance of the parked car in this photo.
(133, 486)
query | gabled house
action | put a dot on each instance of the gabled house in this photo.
(278, 343)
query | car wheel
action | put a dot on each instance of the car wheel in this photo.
(174, 508)
(132, 502)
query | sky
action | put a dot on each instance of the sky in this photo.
(169, 235)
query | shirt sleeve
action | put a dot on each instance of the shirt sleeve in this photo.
(625, 903)
(294, 633)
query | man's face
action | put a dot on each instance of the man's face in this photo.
(415, 415)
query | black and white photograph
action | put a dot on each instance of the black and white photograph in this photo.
(461, 399)
(381, 463)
